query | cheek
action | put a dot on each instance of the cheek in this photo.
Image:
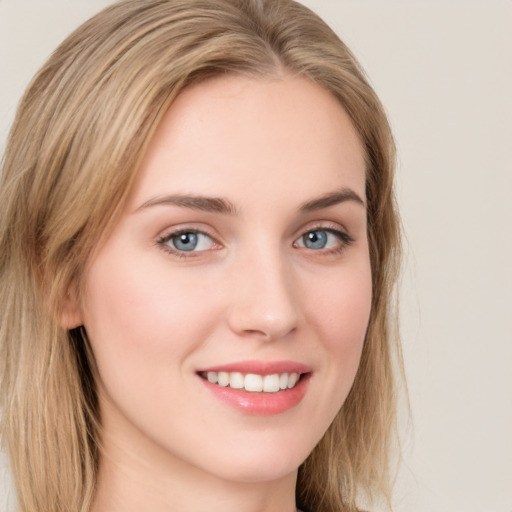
(340, 312)
(138, 320)
(342, 307)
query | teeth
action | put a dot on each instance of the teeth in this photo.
(212, 377)
(236, 380)
(223, 379)
(253, 382)
(292, 380)
(271, 383)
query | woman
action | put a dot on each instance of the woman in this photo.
(200, 246)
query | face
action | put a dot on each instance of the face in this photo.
(228, 307)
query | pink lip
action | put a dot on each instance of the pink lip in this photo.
(260, 367)
(260, 404)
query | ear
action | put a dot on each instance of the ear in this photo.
(71, 312)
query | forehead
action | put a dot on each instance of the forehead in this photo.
(261, 133)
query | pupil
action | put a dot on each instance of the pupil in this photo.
(186, 242)
(315, 239)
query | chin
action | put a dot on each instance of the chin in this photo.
(257, 471)
(266, 458)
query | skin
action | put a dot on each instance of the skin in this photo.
(253, 292)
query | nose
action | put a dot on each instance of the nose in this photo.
(264, 304)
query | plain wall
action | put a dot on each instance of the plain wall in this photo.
(443, 69)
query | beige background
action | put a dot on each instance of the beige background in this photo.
(444, 71)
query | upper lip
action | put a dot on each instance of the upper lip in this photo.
(260, 367)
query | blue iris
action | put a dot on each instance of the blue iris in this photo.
(185, 241)
(315, 239)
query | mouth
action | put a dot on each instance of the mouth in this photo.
(258, 388)
(253, 382)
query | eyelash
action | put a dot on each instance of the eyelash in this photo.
(162, 242)
(345, 240)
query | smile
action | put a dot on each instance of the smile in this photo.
(253, 382)
(260, 388)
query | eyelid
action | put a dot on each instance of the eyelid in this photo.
(333, 227)
(346, 239)
(167, 235)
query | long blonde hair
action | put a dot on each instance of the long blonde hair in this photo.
(74, 150)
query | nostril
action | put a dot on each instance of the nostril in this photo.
(253, 322)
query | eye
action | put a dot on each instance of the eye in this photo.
(187, 241)
(324, 239)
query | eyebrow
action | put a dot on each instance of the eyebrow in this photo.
(332, 199)
(225, 207)
(202, 203)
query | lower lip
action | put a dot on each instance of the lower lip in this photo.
(260, 404)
